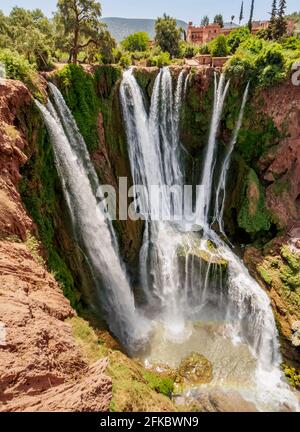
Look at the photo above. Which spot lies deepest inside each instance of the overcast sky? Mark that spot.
(182, 9)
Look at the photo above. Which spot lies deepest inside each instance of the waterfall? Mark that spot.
(93, 233)
(182, 272)
(220, 92)
(154, 157)
(221, 188)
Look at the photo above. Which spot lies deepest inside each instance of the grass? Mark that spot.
(34, 246)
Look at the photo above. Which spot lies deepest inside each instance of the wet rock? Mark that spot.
(194, 370)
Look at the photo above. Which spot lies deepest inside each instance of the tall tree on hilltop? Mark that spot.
(280, 27)
(273, 18)
(241, 13)
(219, 20)
(232, 18)
(168, 35)
(205, 21)
(251, 16)
(81, 21)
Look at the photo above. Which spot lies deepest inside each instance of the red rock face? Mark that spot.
(13, 218)
(282, 104)
(41, 367)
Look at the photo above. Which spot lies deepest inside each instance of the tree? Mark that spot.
(272, 23)
(103, 52)
(218, 19)
(136, 42)
(232, 18)
(241, 13)
(236, 37)
(280, 25)
(31, 34)
(251, 16)
(218, 47)
(81, 20)
(168, 35)
(205, 21)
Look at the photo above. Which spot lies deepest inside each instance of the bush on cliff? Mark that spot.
(264, 63)
(18, 68)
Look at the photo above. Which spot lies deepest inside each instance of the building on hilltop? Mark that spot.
(205, 34)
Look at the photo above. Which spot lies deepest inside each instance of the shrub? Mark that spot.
(218, 47)
(159, 60)
(136, 42)
(291, 43)
(188, 50)
(117, 54)
(125, 60)
(204, 49)
(236, 37)
(265, 63)
(18, 68)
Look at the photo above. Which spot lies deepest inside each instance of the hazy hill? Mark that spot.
(122, 27)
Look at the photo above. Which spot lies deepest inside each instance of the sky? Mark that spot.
(187, 10)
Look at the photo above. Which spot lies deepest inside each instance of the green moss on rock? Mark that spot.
(78, 89)
(253, 216)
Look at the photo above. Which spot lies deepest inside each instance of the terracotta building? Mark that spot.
(204, 34)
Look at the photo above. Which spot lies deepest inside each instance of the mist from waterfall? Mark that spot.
(94, 234)
(191, 276)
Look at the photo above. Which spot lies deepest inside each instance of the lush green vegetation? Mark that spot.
(219, 47)
(79, 92)
(136, 42)
(18, 67)
(264, 63)
(253, 216)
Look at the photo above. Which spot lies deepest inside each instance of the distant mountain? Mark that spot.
(120, 28)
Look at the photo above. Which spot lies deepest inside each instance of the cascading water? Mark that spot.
(193, 277)
(154, 157)
(220, 93)
(221, 188)
(93, 232)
